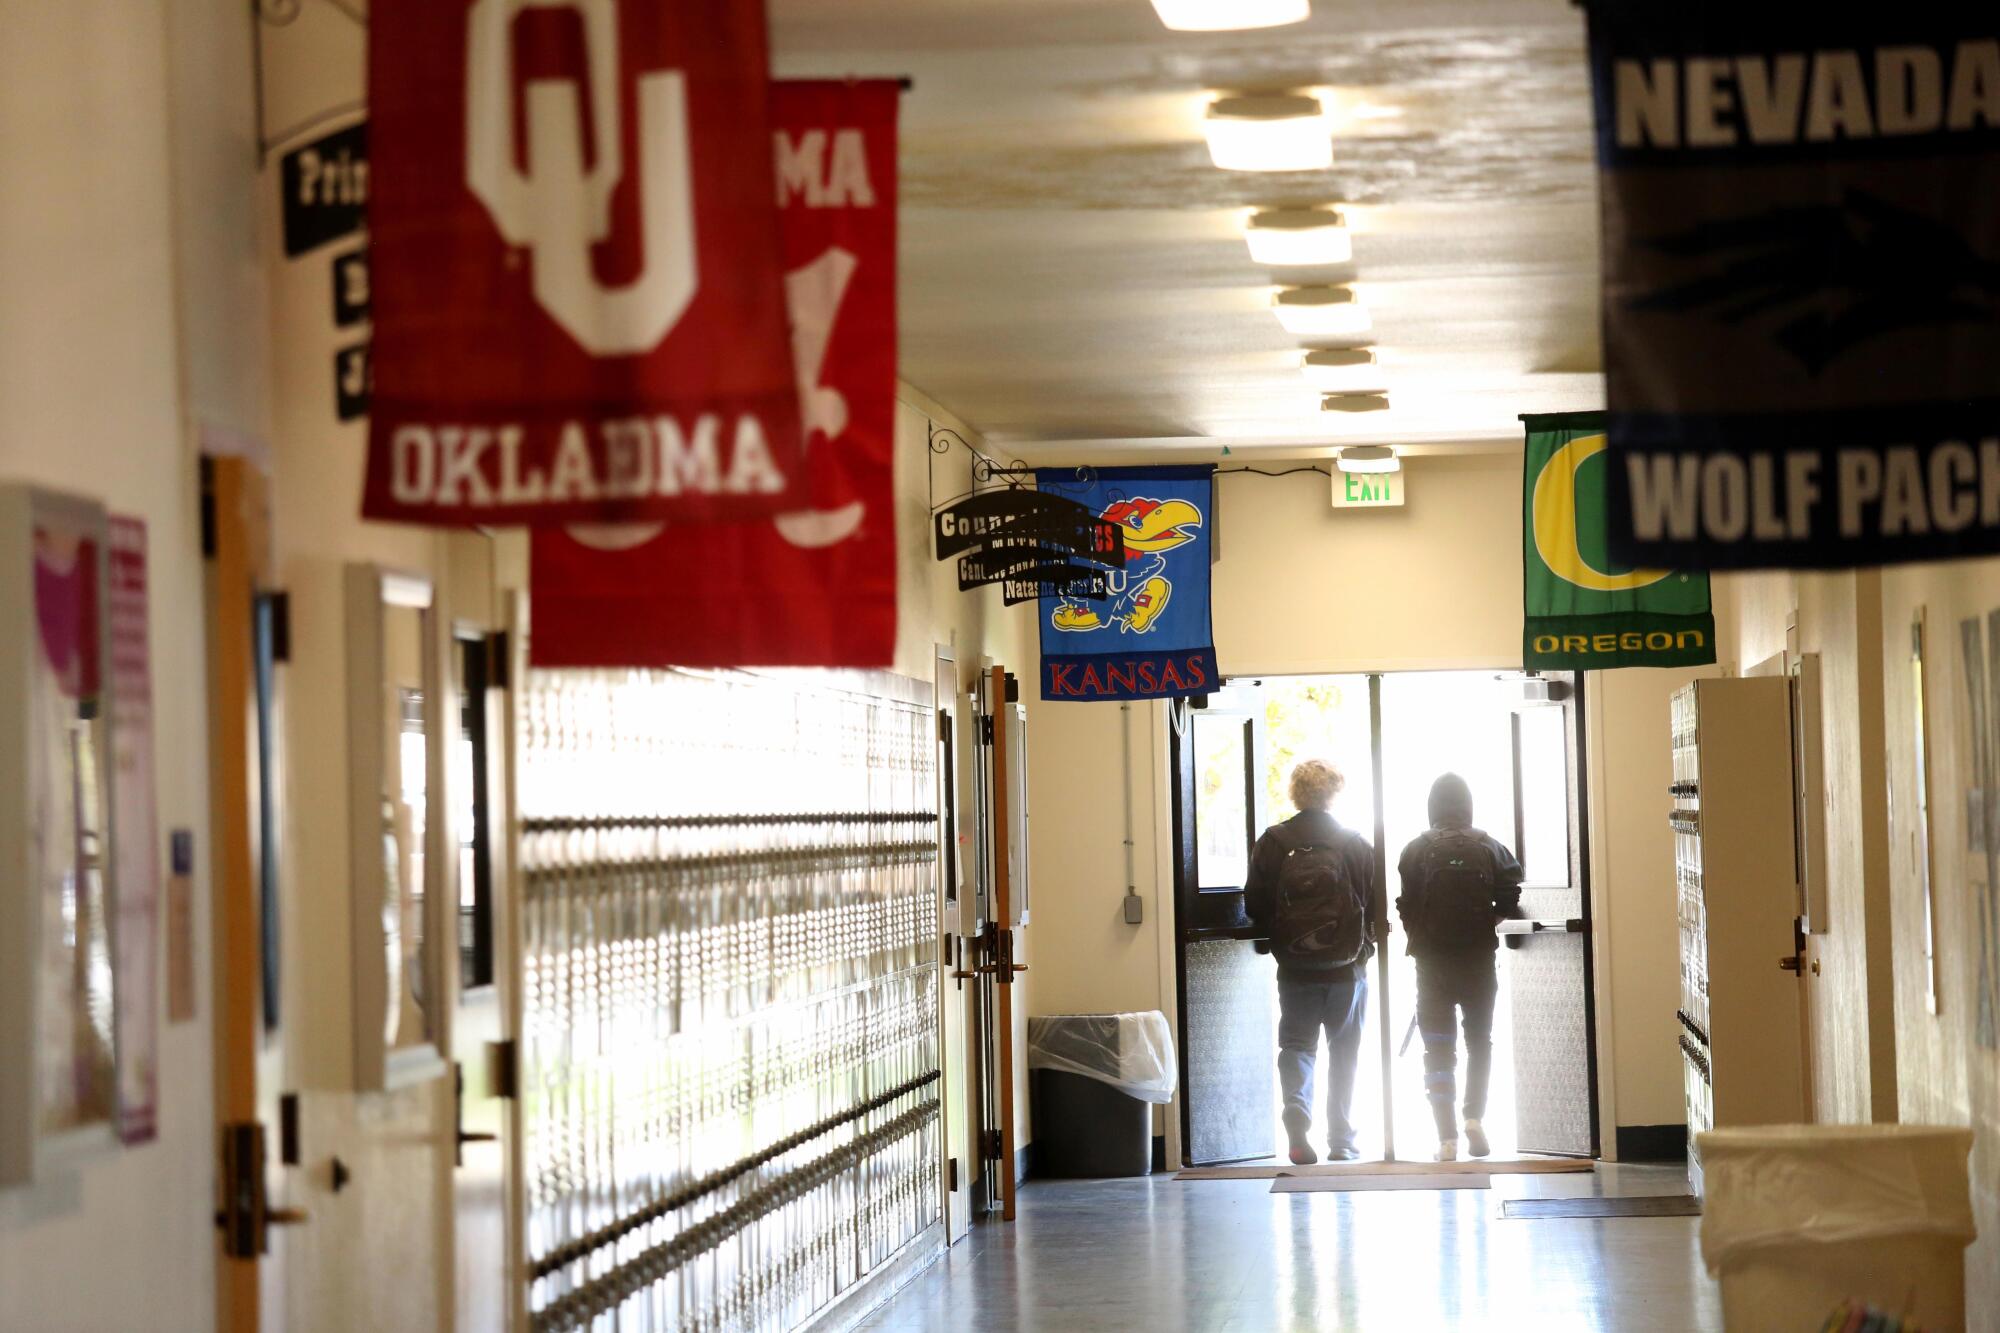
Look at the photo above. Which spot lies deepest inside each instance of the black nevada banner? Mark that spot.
(1801, 281)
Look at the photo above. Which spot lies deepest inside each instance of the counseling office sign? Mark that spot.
(1584, 610)
(1801, 281)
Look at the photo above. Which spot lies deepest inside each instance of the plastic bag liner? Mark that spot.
(1783, 1187)
(1134, 1053)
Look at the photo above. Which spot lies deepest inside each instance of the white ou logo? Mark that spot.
(557, 208)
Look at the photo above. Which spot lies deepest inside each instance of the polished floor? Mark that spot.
(1162, 1255)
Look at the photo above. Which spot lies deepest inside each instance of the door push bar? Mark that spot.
(1573, 926)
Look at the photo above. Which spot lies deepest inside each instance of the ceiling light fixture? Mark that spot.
(1226, 15)
(1277, 132)
(1322, 312)
(1369, 458)
(1345, 370)
(1299, 237)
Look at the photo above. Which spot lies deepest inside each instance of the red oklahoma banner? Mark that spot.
(579, 313)
(816, 587)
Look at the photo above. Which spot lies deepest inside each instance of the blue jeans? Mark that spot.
(1304, 1007)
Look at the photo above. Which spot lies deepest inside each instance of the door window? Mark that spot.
(1222, 812)
(1542, 755)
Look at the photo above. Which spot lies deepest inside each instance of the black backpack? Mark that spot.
(1459, 880)
(1322, 916)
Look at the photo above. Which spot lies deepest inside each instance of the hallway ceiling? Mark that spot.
(1075, 283)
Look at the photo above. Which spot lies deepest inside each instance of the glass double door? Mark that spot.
(1515, 740)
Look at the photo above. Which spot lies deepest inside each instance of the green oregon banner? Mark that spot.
(1584, 611)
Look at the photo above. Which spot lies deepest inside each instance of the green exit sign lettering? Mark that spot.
(1368, 490)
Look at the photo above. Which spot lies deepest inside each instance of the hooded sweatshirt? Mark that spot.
(1451, 811)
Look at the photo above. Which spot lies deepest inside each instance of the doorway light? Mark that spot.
(1345, 370)
(1322, 312)
(1299, 237)
(1271, 132)
(1227, 15)
(1369, 458)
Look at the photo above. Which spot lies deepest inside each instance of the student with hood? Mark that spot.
(1458, 885)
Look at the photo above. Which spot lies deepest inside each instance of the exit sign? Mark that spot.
(1367, 490)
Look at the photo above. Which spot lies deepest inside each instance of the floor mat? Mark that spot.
(1636, 1205)
(1485, 1166)
(1354, 1184)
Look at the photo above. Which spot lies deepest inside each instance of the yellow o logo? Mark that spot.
(1555, 523)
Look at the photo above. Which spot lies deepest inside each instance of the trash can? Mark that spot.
(1093, 1082)
(1799, 1220)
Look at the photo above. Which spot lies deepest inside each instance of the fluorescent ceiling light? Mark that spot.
(1322, 312)
(1299, 237)
(1282, 132)
(1369, 458)
(1224, 15)
(1346, 370)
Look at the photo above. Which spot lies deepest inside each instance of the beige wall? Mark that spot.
(90, 365)
(1303, 587)
(1637, 918)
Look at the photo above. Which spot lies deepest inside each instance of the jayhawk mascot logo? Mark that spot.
(1141, 590)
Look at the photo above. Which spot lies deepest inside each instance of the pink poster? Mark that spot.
(135, 848)
(67, 758)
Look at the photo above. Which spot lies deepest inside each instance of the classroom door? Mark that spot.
(255, 1130)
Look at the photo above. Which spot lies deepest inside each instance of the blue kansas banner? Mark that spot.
(1149, 635)
(1801, 298)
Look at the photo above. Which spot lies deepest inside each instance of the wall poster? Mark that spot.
(136, 939)
(1979, 710)
(71, 819)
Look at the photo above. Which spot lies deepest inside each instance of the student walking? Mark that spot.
(1312, 886)
(1458, 884)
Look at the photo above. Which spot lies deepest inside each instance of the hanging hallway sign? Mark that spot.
(815, 587)
(325, 189)
(1586, 612)
(1801, 281)
(579, 306)
(1032, 543)
(1149, 635)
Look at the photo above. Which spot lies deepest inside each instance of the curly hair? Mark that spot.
(1315, 783)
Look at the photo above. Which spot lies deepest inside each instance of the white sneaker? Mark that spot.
(1448, 1151)
(1475, 1139)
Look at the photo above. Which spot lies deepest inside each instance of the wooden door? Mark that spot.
(253, 1131)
